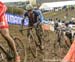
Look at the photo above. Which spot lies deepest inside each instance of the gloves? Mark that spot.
(35, 24)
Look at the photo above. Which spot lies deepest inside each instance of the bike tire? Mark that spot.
(32, 46)
(3, 57)
(20, 48)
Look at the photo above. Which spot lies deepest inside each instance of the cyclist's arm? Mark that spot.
(22, 22)
(41, 17)
(38, 21)
(37, 14)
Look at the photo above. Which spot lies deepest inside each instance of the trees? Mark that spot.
(15, 10)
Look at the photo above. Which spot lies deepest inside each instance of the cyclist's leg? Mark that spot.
(40, 25)
(39, 39)
(36, 30)
(5, 34)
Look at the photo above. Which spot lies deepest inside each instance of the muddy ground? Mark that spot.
(52, 51)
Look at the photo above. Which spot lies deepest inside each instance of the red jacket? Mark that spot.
(3, 9)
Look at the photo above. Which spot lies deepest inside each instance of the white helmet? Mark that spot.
(29, 7)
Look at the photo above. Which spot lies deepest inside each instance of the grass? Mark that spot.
(60, 14)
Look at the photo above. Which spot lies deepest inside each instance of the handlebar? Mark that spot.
(27, 28)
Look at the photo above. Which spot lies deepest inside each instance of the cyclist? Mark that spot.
(33, 17)
(4, 29)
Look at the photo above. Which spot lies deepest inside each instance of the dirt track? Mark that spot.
(50, 53)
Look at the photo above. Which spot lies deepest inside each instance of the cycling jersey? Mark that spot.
(3, 21)
(41, 17)
(32, 17)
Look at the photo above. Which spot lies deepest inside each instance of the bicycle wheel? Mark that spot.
(20, 48)
(32, 46)
(3, 57)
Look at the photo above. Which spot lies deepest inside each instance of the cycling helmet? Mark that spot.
(29, 7)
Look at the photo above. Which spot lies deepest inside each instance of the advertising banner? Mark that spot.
(15, 19)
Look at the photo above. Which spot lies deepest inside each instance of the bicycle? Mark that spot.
(64, 38)
(7, 55)
(33, 44)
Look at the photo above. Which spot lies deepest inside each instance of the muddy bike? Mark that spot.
(64, 38)
(34, 45)
(6, 53)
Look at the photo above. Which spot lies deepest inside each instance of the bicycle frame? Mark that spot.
(38, 44)
(37, 34)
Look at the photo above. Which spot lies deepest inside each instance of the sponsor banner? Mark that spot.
(15, 19)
